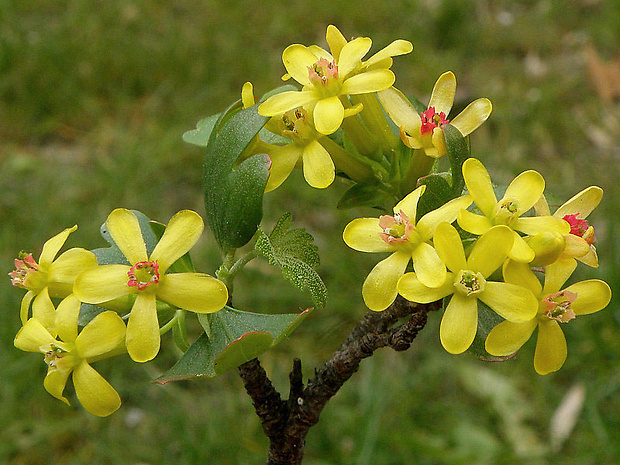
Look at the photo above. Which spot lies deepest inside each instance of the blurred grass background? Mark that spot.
(94, 98)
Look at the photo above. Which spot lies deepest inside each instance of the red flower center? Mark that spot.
(143, 274)
(431, 120)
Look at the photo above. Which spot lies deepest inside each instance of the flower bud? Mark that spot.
(547, 246)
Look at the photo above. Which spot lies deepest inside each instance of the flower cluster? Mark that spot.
(133, 290)
(509, 241)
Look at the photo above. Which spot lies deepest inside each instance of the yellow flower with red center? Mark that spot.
(147, 278)
(424, 130)
(327, 79)
(556, 306)
(50, 276)
(68, 353)
(407, 240)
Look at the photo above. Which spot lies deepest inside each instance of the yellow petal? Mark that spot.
(444, 90)
(352, 54)
(398, 47)
(142, 337)
(102, 283)
(283, 160)
(379, 288)
(318, 167)
(101, 335)
(510, 301)
(582, 203)
(551, 348)
(124, 228)
(556, 274)
(69, 264)
(32, 336)
(527, 188)
(55, 382)
(472, 116)
(479, 185)
(575, 246)
(531, 225)
(520, 251)
(439, 148)
(409, 204)
(429, 268)
(592, 295)
(95, 394)
(591, 258)
(297, 58)
(410, 287)
(182, 232)
(285, 101)
(490, 250)
(399, 109)
(473, 223)
(521, 274)
(247, 95)
(66, 318)
(328, 115)
(448, 212)
(369, 81)
(44, 311)
(449, 247)
(459, 324)
(363, 234)
(195, 292)
(335, 40)
(53, 246)
(507, 337)
(25, 306)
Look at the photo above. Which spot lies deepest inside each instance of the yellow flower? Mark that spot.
(467, 282)
(147, 278)
(580, 242)
(521, 195)
(407, 240)
(555, 306)
(51, 276)
(327, 79)
(423, 130)
(71, 354)
(318, 167)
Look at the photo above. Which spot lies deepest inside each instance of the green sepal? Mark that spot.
(294, 253)
(438, 192)
(236, 337)
(200, 136)
(234, 195)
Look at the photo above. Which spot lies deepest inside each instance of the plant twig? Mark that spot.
(286, 423)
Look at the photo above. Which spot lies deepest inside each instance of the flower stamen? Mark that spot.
(557, 306)
(395, 227)
(431, 120)
(25, 265)
(580, 227)
(469, 282)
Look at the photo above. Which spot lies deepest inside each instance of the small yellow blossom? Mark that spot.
(467, 282)
(50, 276)
(147, 278)
(423, 130)
(407, 240)
(327, 79)
(555, 306)
(521, 195)
(69, 353)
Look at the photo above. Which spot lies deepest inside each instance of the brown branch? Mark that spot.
(286, 423)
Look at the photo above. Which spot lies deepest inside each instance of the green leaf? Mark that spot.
(234, 195)
(438, 192)
(200, 136)
(364, 195)
(487, 320)
(236, 337)
(292, 250)
(458, 152)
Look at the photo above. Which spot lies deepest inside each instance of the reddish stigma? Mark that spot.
(431, 120)
(580, 227)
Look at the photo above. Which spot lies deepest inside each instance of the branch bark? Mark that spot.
(286, 422)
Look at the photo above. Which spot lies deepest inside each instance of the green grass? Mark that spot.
(94, 98)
